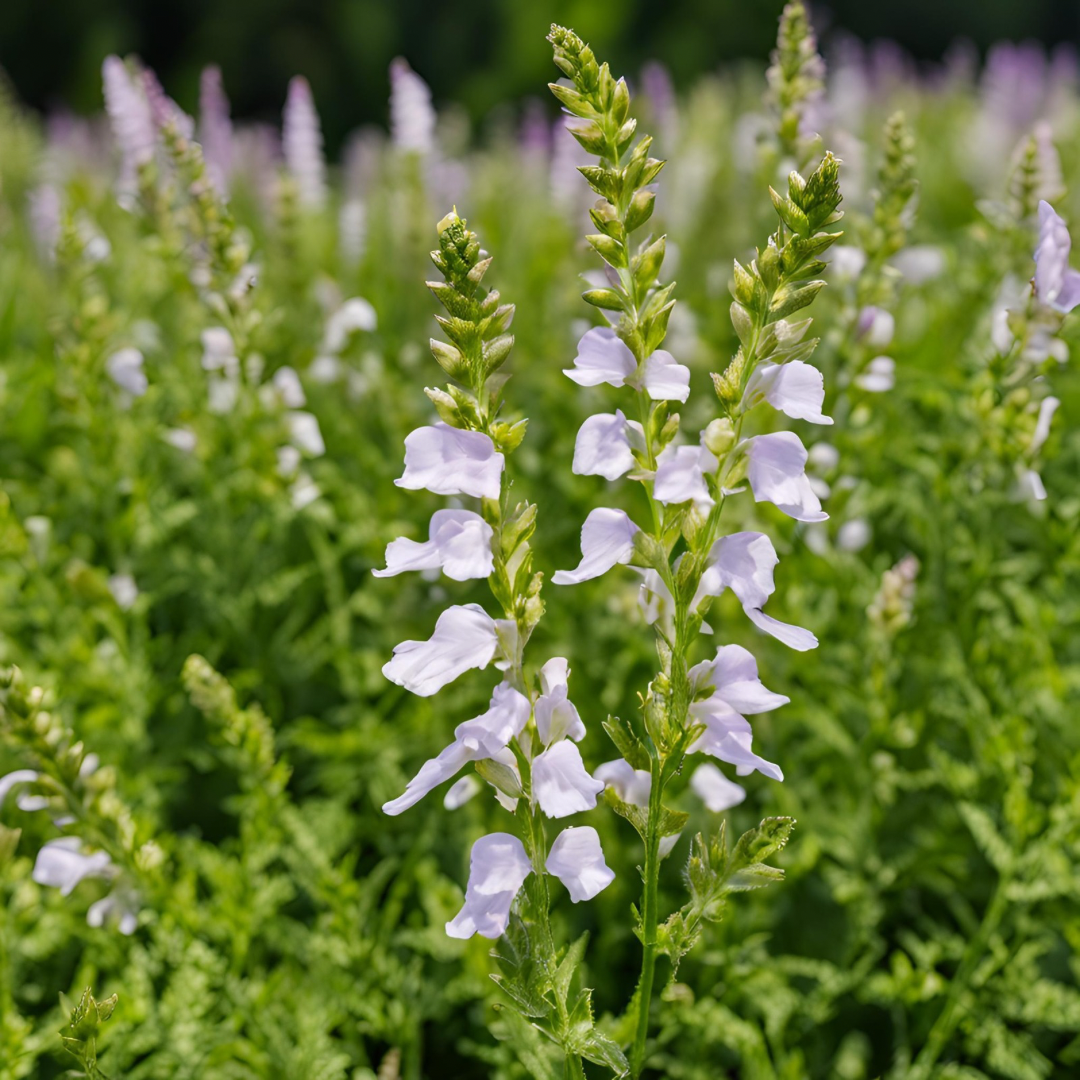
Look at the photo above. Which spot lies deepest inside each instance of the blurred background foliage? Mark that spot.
(480, 54)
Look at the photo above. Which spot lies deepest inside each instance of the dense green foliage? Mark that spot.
(929, 920)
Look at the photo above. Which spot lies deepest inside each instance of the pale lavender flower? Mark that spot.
(125, 368)
(45, 208)
(714, 789)
(603, 357)
(163, 110)
(302, 143)
(776, 465)
(1056, 283)
(449, 461)
(607, 539)
(131, 120)
(879, 376)
(577, 860)
(603, 446)
(62, 864)
(797, 389)
(498, 867)
(412, 116)
(459, 544)
(215, 129)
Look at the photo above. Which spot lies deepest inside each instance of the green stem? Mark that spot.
(949, 1016)
(649, 918)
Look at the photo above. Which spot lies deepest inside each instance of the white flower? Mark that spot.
(222, 395)
(607, 538)
(776, 467)
(465, 637)
(879, 376)
(1047, 407)
(1031, 485)
(630, 784)
(743, 562)
(412, 117)
(556, 715)
(461, 791)
(854, 535)
(603, 358)
(447, 461)
(732, 675)
(498, 867)
(302, 144)
(325, 369)
(287, 384)
(27, 803)
(219, 352)
(1056, 283)
(920, 263)
(680, 476)
(876, 326)
(560, 783)
(603, 447)
(62, 865)
(124, 591)
(125, 368)
(483, 737)
(847, 262)
(303, 492)
(795, 388)
(459, 543)
(714, 789)
(118, 905)
(183, 439)
(577, 860)
(728, 736)
(304, 433)
(355, 314)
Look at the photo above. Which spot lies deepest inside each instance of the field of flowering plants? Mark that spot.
(592, 595)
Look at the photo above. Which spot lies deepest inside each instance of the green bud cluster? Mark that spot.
(476, 324)
(80, 1034)
(796, 76)
(1036, 175)
(886, 232)
(604, 127)
(781, 280)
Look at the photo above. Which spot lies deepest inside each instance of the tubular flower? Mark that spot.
(465, 637)
(743, 562)
(484, 737)
(607, 539)
(1056, 283)
(449, 461)
(604, 358)
(459, 544)
(603, 446)
(776, 469)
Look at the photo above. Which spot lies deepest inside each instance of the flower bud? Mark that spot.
(719, 437)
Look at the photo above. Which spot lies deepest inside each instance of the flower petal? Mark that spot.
(607, 538)
(447, 461)
(556, 716)
(665, 379)
(728, 736)
(432, 773)
(776, 470)
(602, 447)
(560, 783)
(794, 637)
(498, 868)
(734, 676)
(680, 476)
(630, 784)
(795, 388)
(714, 789)
(459, 543)
(465, 637)
(491, 733)
(577, 860)
(62, 865)
(742, 562)
(602, 358)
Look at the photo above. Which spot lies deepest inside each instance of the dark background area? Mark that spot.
(476, 52)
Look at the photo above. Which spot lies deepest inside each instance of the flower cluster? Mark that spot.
(684, 558)
(525, 744)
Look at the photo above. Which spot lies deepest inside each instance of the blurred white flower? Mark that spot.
(124, 591)
(125, 368)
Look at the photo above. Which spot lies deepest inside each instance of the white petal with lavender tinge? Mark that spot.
(776, 470)
(62, 865)
(560, 783)
(601, 358)
(795, 388)
(728, 736)
(1056, 283)
(577, 860)
(465, 637)
(607, 539)
(714, 789)
(602, 447)
(556, 715)
(498, 867)
(447, 461)
(459, 543)
(733, 675)
(630, 784)
(665, 379)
